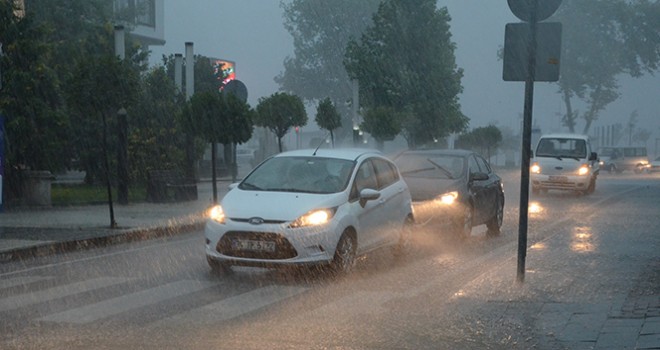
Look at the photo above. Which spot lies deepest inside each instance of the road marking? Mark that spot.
(49, 294)
(235, 306)
(115, 306)
(19, 281)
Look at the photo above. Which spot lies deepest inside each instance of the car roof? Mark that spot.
(447, 152)
(341, 153)
(566, 136)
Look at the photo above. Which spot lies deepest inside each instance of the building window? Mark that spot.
(140, 12)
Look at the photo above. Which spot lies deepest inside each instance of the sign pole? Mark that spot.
(526, 146)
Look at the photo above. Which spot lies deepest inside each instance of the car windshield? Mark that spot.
(561, 148)
(300, 174)
(431, 166)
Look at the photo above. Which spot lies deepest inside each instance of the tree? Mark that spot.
(481, 140)
(626, 30)
(156, 139)
(327, 117)
(36, 126)
(383, 123)
(405, 61)
(279, 112)
(320, 30)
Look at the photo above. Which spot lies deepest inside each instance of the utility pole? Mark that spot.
(122, 129)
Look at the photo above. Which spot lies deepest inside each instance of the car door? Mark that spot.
(392, 198)
(368, 213)
(478, 190)
(491, 188)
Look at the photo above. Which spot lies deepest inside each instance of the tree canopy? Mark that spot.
(603, 40)
(279, 112)
(321, 30)
(405, 61)
(327, 117)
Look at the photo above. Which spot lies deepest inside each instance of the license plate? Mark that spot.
(256, 246)
(558, 178)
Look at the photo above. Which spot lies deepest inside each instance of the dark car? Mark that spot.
(453, 189)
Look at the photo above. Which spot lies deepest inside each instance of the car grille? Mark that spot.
(283, 249)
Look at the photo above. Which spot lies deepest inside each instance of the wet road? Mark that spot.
(160, 293)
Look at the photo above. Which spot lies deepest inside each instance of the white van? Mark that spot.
(564, 162)
(619, 159)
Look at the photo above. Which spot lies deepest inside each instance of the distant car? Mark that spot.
(564, 162)
(310, 207)
(654, 166)
(622, 158)
(455, 189)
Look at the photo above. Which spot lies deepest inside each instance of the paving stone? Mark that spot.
(649, 341)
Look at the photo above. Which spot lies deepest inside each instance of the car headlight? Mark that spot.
(535, 168)
(584, 170)
(448, 198)
(314, 218)
(217, 214)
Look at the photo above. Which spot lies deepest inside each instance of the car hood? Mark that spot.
(422, 189)
(277, 206)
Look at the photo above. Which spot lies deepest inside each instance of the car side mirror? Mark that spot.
(593, 156)
(233, 185)
(368, 194)
(478, 176)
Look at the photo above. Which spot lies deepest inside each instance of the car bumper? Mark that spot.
(434, 213)
(270, 245)
(560, 182)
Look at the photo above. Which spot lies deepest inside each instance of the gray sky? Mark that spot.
(251, 33)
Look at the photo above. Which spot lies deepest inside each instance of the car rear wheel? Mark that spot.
(495, 223)
(344, 258)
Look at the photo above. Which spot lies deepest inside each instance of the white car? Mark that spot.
(564, 162)
(305, 207)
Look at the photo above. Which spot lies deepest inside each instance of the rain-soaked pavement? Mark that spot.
(592, 281)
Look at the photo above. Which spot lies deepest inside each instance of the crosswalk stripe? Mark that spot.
(18, 301)
(235, 306)
(115, 306)
(19, 281)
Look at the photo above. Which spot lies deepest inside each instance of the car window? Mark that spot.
(483, 165)
(432, 166)
(473, 165)
(562, 147)
(300, 174)
(364, 178)
(386, 173)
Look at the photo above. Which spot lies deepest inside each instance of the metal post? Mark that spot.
(122, 129)
(178, 71)
(190, 90)
(122, 157)
(526, 146)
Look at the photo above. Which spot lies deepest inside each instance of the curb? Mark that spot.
(123, 236)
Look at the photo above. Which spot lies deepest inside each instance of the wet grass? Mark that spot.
(81, 194)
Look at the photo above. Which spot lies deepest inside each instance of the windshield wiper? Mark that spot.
(249, 186)
(445, 171)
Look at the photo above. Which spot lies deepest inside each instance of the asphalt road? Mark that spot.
(160, 294)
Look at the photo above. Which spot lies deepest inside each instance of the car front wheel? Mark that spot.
(463, 223)
(344, 258)
(404, 244)
(495, 223)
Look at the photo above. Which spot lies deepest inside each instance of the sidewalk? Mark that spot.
(42, 231)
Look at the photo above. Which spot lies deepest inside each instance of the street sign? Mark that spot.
(548, 51)
(237, 88)
(523, 9)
